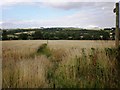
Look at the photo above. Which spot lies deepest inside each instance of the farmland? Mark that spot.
(60, 64)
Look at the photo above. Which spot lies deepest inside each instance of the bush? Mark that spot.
(43, 49)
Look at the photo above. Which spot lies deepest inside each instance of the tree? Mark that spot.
(23, 36)
(38, 35)
(4, 35)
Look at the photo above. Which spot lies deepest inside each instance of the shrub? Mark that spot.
(44, 49)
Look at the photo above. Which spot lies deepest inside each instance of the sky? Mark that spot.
(51, 13)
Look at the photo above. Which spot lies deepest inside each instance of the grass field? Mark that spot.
(60, 64)
(58, 43)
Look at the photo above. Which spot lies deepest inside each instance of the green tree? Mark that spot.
(38, 35)
(23, 36)
(4, 35)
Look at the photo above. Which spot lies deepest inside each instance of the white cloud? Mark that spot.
(9, 2)
(82, 18)
(55, 2)
(0, 24)
(67, 5)
(92, 26)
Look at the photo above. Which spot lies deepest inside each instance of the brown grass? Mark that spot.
(68, 66)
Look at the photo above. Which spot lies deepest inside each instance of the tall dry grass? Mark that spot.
(22, 70)
(93, 70)
(49, 66)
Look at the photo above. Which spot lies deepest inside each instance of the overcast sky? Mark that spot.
(34, 13)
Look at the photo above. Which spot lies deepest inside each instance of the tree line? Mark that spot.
(57, 34)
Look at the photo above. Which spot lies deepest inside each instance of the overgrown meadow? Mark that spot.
(43, 66)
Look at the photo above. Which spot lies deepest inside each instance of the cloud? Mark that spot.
(58, 4)
(79, 19)
(77, 5)
(87, 14)
(0, 24)
(12, 2)
(64, 5)
(52, 2)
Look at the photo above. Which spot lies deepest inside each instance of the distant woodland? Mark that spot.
(58, 34)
